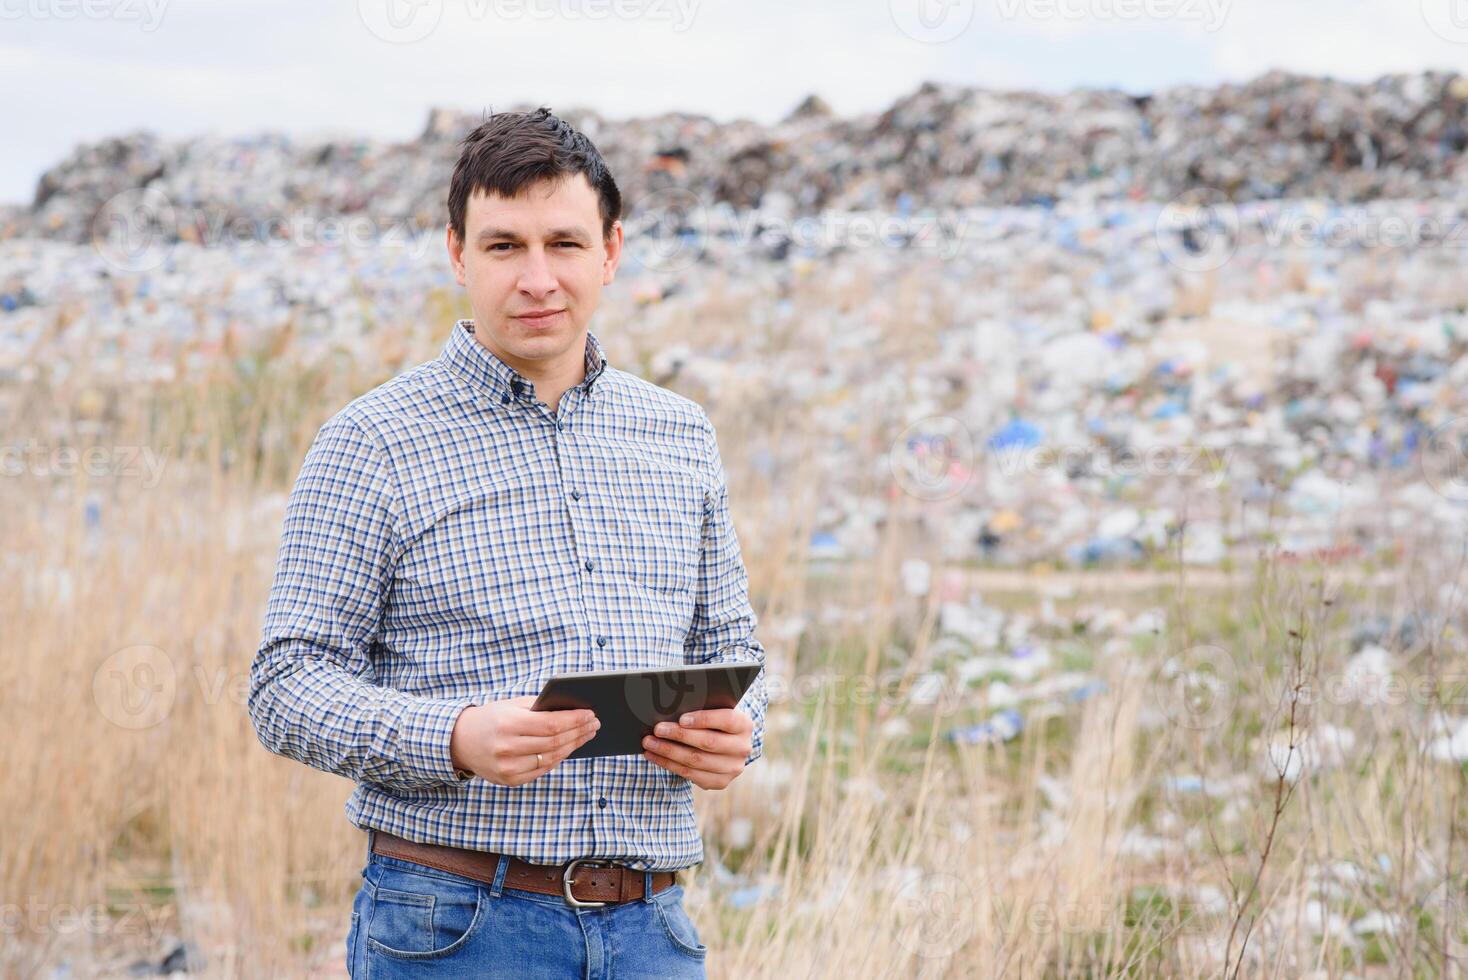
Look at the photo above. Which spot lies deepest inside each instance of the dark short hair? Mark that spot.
(510, 151)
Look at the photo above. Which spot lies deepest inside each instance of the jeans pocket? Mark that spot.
(678, 925)
(415, 917)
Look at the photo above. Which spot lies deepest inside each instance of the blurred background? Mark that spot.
(1090, 379)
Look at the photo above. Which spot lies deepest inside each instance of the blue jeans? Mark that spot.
(410, 920)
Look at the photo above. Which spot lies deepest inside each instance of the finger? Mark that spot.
(707, 739)
(546, 744)
(719, 719)
(548, 722)
(694, 758)
(683, 769)
(550, 757)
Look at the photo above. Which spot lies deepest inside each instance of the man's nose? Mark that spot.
(536, 276)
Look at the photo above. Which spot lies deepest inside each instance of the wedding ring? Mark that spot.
(538, 763)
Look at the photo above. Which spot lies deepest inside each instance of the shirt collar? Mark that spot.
(477, 364)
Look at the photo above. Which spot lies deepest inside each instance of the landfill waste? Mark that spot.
(1002, 727)
(1034, 366)
(1082, 397)
(943, 146)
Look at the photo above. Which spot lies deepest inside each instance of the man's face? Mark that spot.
(541, 250)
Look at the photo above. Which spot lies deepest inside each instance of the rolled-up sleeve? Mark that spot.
(723, 620)
(309, 698)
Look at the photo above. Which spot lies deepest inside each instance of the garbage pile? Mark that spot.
(941, 147)
(1089, 381)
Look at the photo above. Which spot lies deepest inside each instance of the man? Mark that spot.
(514, 509)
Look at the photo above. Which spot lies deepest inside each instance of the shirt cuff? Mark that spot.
(424, 752)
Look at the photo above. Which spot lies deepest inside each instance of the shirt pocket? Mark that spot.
(654, 514)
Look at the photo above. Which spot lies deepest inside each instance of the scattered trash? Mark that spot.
(1002, 727)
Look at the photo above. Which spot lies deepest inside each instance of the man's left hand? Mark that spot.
(709, 747)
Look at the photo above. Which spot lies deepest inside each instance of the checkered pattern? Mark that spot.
(449, 541)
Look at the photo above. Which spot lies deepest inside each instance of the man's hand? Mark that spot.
(708, 747)
(498, 741)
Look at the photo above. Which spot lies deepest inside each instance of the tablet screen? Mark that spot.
(630, 702)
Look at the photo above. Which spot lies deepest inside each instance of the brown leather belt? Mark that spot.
(584, 882)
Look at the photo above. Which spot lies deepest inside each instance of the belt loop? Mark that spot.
(647, 886)
(499, 875)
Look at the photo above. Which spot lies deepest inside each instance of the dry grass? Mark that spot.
(139, 807)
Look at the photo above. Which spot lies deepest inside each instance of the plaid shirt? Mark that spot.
(449, 541)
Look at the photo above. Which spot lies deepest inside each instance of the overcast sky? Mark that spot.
(79, 70)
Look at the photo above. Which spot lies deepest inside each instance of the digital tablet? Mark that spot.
(630, 702)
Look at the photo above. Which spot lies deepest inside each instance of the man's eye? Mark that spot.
(498, 245)
(572, 244)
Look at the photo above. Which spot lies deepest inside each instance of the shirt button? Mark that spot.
(589, 565)
(601, 641)
(575, 494)
(602, 802)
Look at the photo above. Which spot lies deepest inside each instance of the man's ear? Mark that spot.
(456, 253)
(613, 246)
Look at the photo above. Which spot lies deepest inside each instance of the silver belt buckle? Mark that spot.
(567, 881)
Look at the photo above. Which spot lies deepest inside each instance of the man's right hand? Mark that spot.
(498, 741)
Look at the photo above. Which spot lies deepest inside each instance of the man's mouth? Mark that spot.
(540, 317)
